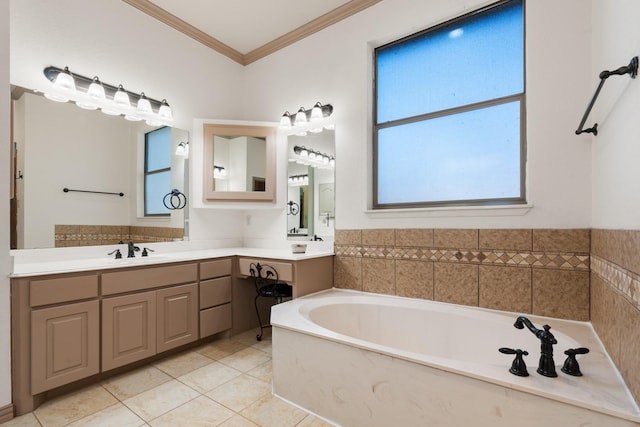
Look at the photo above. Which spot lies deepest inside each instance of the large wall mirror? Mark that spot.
(57, 146)
(239, 163)
(310, 186)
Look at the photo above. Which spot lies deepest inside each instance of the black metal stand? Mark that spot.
(267, 286)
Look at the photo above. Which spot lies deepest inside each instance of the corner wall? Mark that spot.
(6, 409)
(615, 299)
(615, 248)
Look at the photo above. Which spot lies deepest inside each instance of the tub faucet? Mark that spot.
(131, 253)
(546, 366)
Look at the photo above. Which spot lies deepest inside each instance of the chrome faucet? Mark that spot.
(131, 253)
(546, 366)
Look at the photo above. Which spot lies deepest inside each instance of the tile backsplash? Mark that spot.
(93, 235)
(539, 271)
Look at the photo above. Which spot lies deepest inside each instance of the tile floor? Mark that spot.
(226, 383)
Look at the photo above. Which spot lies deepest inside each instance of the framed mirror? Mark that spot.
(239, 163)
(310, 186)
(58, 146)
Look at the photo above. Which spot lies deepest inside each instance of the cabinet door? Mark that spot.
(177, 316)
(64, 344)
(128, 329)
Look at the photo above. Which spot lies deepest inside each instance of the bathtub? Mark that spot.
(361, 359)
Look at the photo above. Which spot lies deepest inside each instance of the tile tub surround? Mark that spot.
(93, 235)
(532, 271)
(615, 299)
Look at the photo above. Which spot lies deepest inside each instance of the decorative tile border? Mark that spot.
(79, 235)
(619, 278)
(569, 261)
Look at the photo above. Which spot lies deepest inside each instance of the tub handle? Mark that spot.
(571, 366)
(518, 367)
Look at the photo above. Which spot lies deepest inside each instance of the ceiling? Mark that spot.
(247, 30)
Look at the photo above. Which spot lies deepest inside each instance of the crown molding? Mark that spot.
(185, 28)
(311, 27)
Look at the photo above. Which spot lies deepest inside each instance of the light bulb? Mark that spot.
(316, 113)
(121, 99)
(143, 108)
(285, 121)
(164, 113)
(65, 81)
(301, 117)
(96, 90)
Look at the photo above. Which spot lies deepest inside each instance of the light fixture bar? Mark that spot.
(82, 84)
(305, 117)
(309, 157)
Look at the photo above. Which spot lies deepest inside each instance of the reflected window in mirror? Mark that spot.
(239, 162)
(310, 183)
(157, 171)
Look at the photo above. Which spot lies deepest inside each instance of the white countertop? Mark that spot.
(84, 259)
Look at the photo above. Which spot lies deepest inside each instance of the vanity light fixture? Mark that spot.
(183, 149)
(92, 94)
(298, 180)
(313, 158)
(308, 119)
(219, 172)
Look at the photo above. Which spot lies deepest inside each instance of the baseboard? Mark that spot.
(6, 413)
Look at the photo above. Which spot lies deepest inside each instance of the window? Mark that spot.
(157, 171)
(449, 124)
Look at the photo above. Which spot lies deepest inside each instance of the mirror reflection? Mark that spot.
(58, 146)
(310, 186)
(239, 162)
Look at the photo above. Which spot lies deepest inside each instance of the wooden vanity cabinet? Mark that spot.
(215, 297)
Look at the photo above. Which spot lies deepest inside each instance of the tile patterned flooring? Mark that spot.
(226, 383)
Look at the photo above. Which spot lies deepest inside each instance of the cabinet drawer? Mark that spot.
(148, 278)
(216, 268)
(284, 269)
(214, 320)
(53, 291)
(215, 292)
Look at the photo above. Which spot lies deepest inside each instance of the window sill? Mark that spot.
(452, 211)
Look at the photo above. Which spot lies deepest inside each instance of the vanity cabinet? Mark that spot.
(215, 297)
(138, 325)
(67, 327)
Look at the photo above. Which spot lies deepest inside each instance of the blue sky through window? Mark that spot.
(449, 151)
